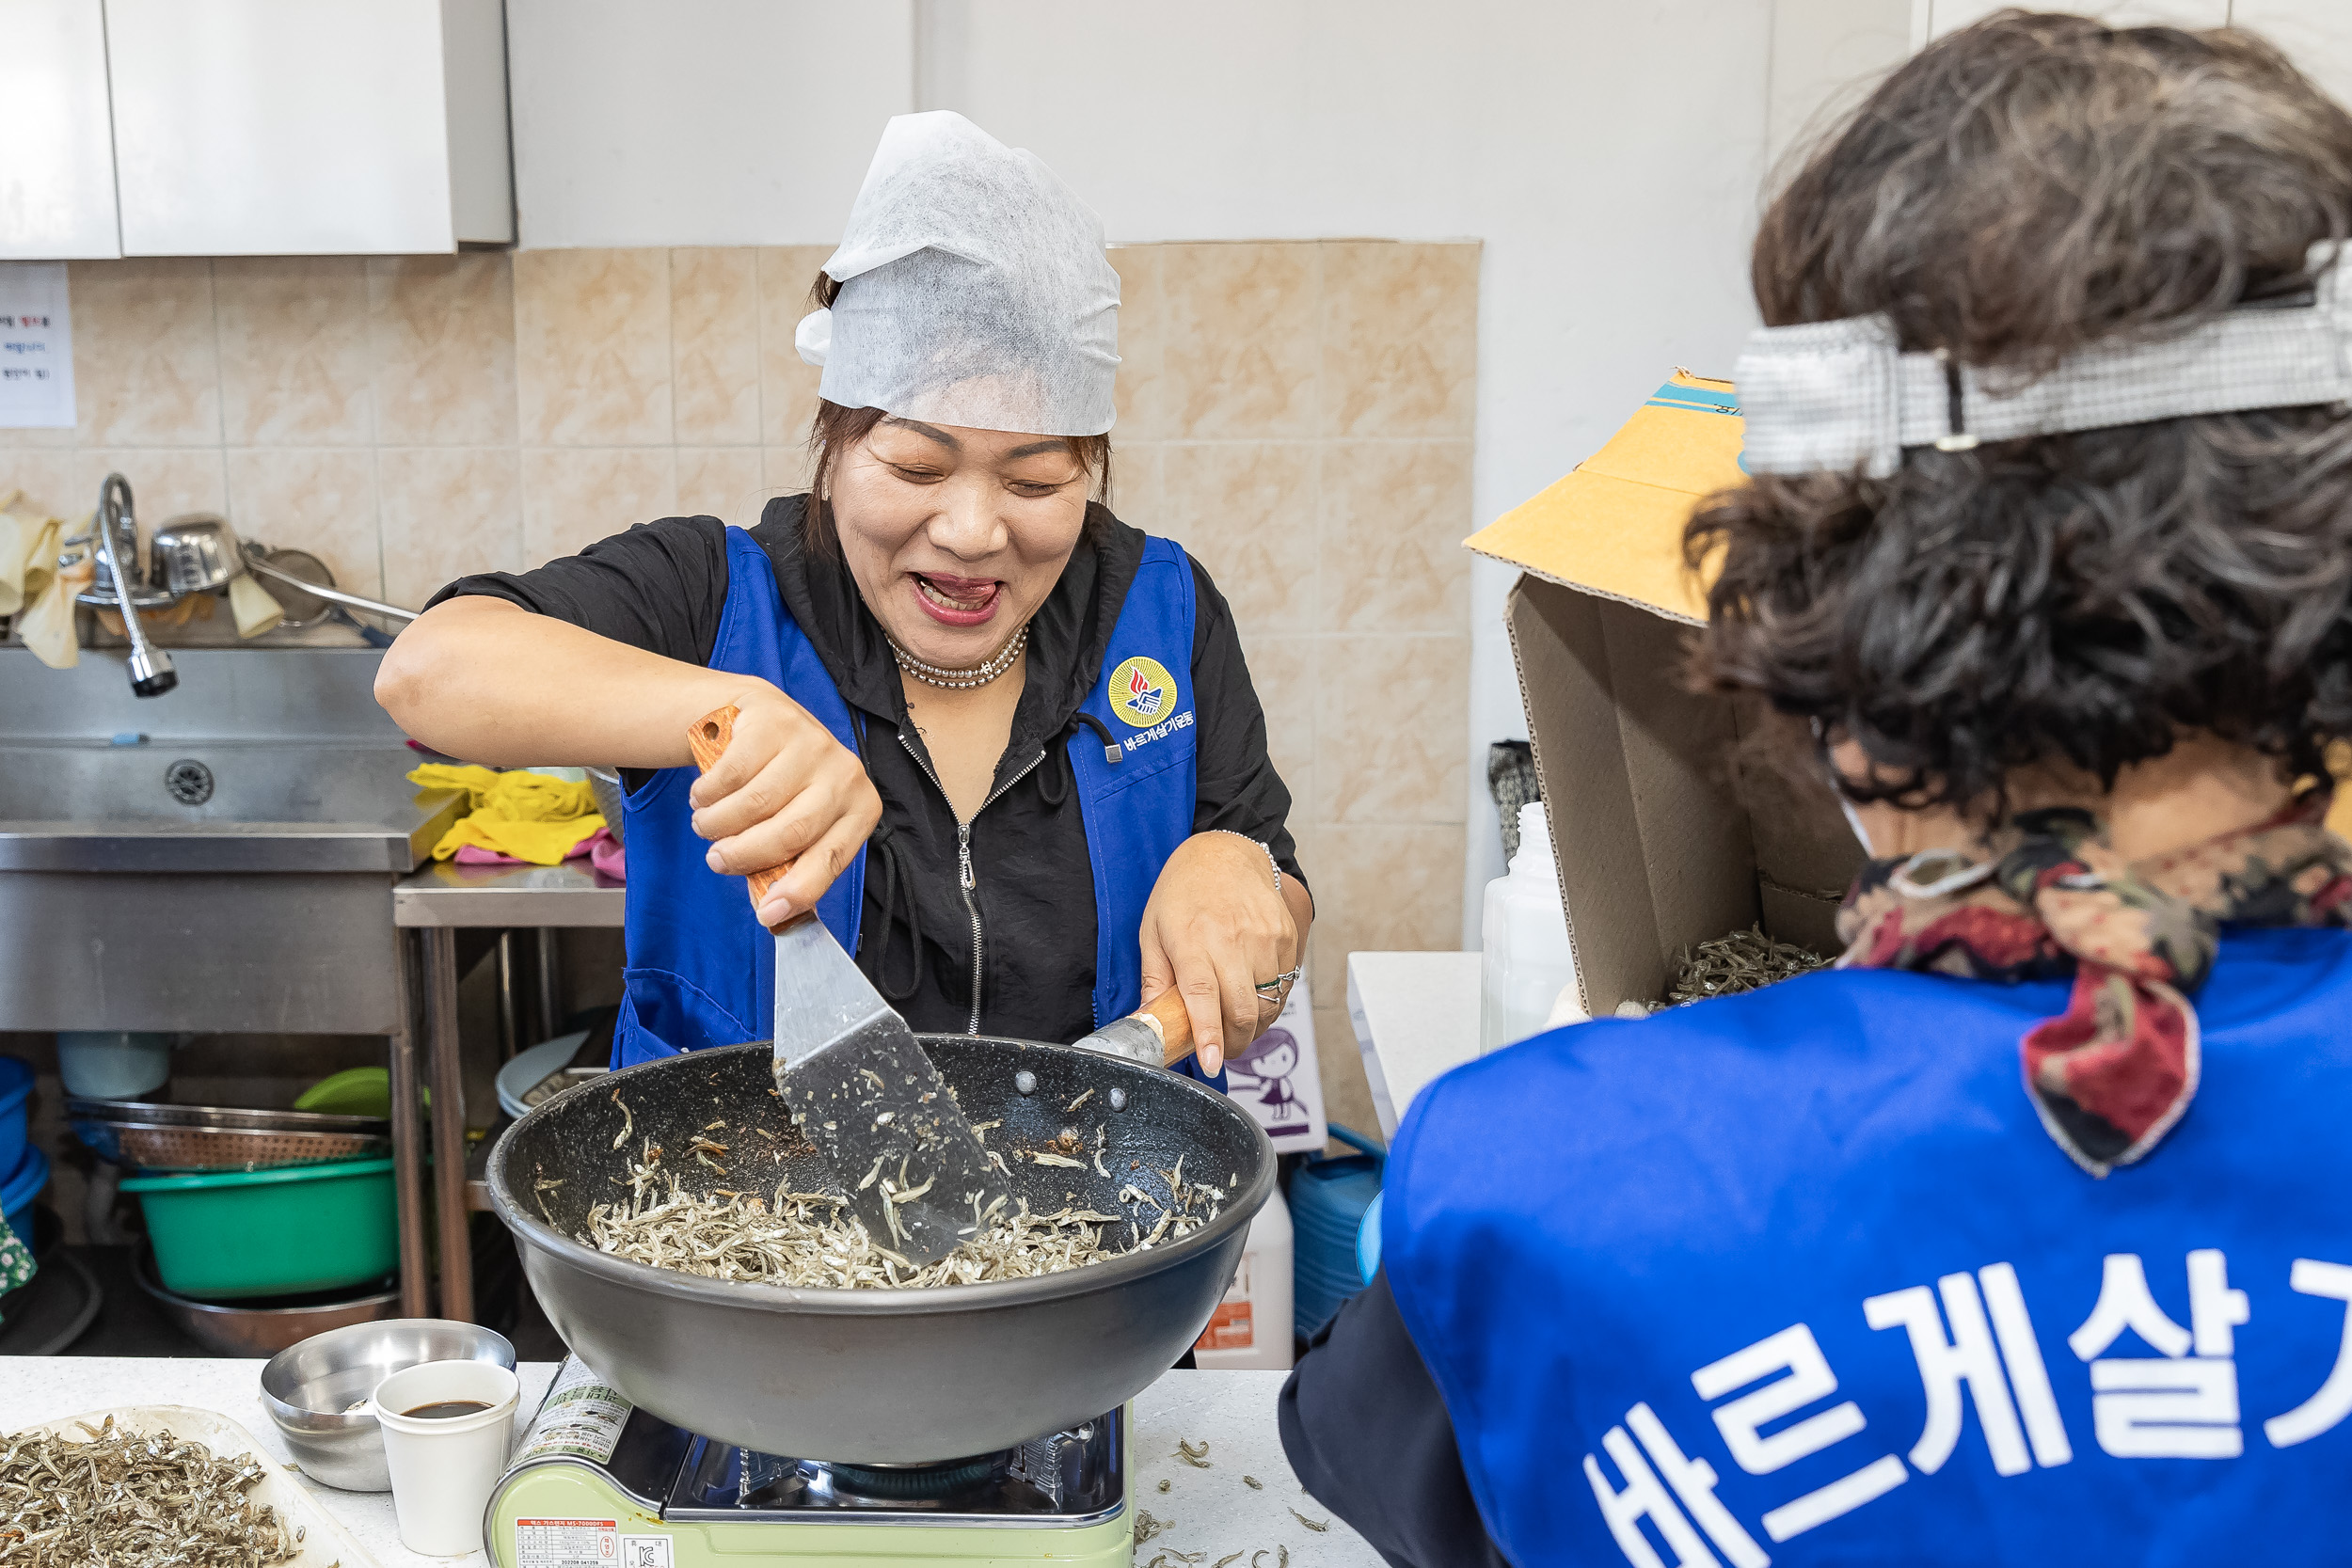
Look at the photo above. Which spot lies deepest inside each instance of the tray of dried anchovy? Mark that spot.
(158, 1483)
(691, 1246)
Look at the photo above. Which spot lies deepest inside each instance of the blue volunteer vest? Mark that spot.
(1797, 1277)
(701, 970)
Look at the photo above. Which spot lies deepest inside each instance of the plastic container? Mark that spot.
(1368, 1238)
(19, 1188)
(112, 1064)
(223, 1235)
(358, 1091)
(1328, 1199)
(16, 1093)
(443, 1469)
(531, 1068)
(1251, 1328)
(1524, 933)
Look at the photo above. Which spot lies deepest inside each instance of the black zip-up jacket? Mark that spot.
(661, 586)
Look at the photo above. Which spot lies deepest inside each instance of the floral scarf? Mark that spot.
(16, 1260)
(2047, 897)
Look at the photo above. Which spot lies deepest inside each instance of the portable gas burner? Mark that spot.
(596, 1483)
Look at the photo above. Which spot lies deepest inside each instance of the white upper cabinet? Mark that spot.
(57, 149)
(309, 127)
(693, 123)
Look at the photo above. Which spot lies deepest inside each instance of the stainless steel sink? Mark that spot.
(218, 858)
(217, 805)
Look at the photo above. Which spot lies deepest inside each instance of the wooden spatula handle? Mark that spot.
(708, 737)
(1175, 1024)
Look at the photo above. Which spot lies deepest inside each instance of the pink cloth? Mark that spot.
(604, 853)
(602, 849)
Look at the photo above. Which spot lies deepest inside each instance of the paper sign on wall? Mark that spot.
(1278, 1080)
(36, 347)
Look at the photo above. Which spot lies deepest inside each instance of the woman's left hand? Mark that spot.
(1214, 929)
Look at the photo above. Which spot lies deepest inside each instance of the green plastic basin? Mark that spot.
(220, 1235)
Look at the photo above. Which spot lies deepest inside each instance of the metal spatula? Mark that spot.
(861, 1087)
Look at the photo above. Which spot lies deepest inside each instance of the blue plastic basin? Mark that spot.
(1327, 1198)
(16, 1091)
(19, 1189)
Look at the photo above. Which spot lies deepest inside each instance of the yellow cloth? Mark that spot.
(18, 535)
(32, 589)
(255, 610)
(528, 815)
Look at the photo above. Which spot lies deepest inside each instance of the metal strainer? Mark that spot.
(146, 1136)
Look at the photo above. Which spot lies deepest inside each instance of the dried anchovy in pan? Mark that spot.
(1744, 961)
(808, 1240)
(127, 1499)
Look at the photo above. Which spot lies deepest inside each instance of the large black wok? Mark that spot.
(882, 1376)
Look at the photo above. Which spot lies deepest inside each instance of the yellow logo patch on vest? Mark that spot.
(1142, 692)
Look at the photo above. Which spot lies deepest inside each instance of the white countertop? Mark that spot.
(1209, 1510)
(1416, 1018)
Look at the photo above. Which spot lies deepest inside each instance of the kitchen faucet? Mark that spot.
(193, 554)
(152, 671)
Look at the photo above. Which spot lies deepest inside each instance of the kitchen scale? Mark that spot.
(597, 1483)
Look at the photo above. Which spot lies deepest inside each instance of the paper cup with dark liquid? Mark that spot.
(446, 1427)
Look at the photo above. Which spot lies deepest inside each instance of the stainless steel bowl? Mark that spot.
(317, 1391)
(250, 1328)
(194, 553)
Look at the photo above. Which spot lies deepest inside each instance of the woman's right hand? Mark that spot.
(784, 792)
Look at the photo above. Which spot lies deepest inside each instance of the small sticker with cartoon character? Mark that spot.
(1269, 1062)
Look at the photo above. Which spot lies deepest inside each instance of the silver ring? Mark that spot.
(1276, 985)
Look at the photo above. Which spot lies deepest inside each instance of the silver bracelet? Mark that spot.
(1267, 850)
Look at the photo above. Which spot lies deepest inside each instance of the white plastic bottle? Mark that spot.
(1252, 1330)
(1524, 933)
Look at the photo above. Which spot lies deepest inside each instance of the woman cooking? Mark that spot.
(1006, 743)
(2020, 1237)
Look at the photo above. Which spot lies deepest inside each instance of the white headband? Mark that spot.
(1841, 395)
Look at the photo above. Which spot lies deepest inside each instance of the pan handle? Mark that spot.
(1168, 1018)
(708, 737)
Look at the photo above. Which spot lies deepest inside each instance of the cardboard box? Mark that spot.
(1656, 849)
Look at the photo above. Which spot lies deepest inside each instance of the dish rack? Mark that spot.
(141, 1135)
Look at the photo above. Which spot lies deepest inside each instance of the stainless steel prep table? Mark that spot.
(429, 907)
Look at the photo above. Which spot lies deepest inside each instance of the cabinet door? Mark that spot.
(57, 166)
(279, 127)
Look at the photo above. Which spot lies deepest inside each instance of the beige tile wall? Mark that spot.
(1299, 416)
(1297, 413)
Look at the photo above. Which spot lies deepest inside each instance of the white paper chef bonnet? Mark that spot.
(974, 290)
(1843, 396)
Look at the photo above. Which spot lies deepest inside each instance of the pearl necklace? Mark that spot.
(960, 680)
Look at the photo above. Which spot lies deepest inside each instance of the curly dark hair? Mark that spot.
(2019, 190)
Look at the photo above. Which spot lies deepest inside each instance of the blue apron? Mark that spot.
(701, 970)
(1798, 1277)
